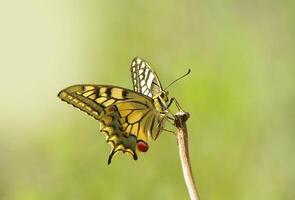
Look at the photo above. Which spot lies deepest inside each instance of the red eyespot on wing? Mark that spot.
(112, 108)
(142, 146)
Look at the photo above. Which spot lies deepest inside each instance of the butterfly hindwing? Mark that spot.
(126, 117)
(145, 80)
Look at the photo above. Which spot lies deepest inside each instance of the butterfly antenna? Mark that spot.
(187, 73)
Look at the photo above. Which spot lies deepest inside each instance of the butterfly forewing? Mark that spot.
(145, 80)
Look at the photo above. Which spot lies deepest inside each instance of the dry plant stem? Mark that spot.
(182, 138)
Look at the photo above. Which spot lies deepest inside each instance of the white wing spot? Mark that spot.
(142, 83)
(133, 64)
(147, 93)
(144, 88)
(150, 80)
(141, 77)
(142, 65)
(140, 71)
(138, 60)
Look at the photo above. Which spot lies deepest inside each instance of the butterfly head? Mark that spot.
(164, 95)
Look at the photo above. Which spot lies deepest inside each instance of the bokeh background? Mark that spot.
(240, 94)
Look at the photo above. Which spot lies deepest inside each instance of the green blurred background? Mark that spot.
(240, 95)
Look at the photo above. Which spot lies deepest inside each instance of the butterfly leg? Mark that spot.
(169, 119)
(168, 106)
(176, 103)
(169, 131)
(171, 101)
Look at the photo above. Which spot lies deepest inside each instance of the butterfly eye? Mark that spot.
(162, 95)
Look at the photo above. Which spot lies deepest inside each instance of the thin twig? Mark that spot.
(182, 138)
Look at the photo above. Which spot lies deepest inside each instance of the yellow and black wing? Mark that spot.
(127, 118)
(144, 79)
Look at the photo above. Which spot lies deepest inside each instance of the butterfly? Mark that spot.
(128, 118)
